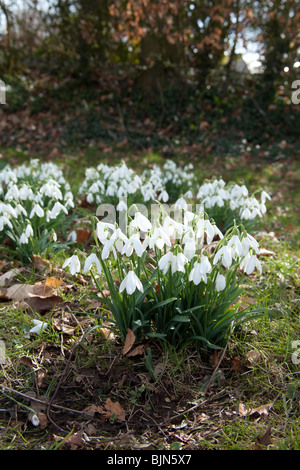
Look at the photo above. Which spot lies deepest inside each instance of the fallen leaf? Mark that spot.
(140, 349)
(42, 304)
(263, 441)
(253, 357)
(115, 409)
(129, 341)
(262, 410)
(265, 252)
(83, 235)
(53, 282)
(41, 264)
(7, 277)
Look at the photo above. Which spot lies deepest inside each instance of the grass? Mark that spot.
(163, 394)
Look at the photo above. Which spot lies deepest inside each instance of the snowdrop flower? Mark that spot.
(131, 282)
(133, 243)
(38, 210)
(172, 228)
(4, 221)
(178, 263)
(57, 208)
(103, 231)
(29, 231)
(90, 261)
(189, 242)
(220, 282)
(249, 263)
(200, 271)
(166, 261)
(122, 206)
(223, 254)
(90, 198)
(73, 263)
(248, 241)
(181, 204)
(39, 326)
(236, 245)
(164, 196)
(23, 239)
(142, 222)
(72, 236)
(159, 238)
(264, 196)
(116, 242)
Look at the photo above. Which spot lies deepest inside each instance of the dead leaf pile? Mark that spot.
(110, 410)
(40, 297)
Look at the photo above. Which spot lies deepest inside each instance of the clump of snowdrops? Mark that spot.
(35, 200)
(173, 184)
(122, 186)
(174, 277)
(226, 202)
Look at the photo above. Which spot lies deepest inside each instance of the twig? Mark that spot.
(37, 400)
(216, 369)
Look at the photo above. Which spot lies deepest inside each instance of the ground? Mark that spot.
(88, 394)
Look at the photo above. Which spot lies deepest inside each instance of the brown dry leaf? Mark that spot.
(265, 252)
(115, 409)
(83, 234)
(129, 341)
(243, 410)
(140, 349)
(43, 420)
(74, 442)
(263, 441)
(91, 410)
(42, 304)
(253, 357)
(7, 277)
(40, 297)
(262, 410)
(17, 292)
(53, 282)
(236, 364)
(41, 264)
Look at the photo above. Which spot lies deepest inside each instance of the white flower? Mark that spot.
(142, 222)
(166, 261)
(236, 245)
(178, 263)
(223, 254)
(189, 242)
(39, 326)
(122, 206)
(56, 209)
(164, 196)
(264, 196)
(116, 242)
(133, 243)
(72, 236)
(29, 231)
(90, 261)
(159, 238)
(73, 263)
(171, 227)
(103, 231)
(131, 282)
(181, 204)
(37, 209)
(200, 271)
(220, 282)
(249, 263)
(23, 239)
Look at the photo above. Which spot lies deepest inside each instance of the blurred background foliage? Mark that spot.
(111, 69)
